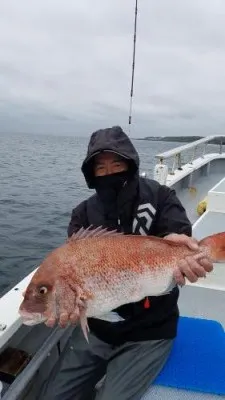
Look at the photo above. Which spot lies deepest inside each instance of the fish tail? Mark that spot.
(216, 246)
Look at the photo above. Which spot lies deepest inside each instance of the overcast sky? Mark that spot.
(65, 66)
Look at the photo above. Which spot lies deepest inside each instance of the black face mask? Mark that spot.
(111, 183)
(108, 187)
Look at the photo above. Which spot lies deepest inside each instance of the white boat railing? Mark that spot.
(177, 152)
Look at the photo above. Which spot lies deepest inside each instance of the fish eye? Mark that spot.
(43, 290)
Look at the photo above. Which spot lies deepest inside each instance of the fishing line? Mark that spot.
(133, 67)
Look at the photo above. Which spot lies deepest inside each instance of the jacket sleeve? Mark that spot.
(78, 219)
(171, 216)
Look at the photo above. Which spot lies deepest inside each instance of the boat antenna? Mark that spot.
(133, 66)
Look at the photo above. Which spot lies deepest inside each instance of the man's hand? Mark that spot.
(191, 267)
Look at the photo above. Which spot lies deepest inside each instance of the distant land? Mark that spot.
(182, 139)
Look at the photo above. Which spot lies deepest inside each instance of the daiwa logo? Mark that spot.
(143, 220)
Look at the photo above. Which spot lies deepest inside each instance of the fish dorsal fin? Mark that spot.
(89, 232)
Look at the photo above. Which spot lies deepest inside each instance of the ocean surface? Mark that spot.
(40, 183)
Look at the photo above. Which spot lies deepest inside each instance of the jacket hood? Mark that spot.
(110, 139)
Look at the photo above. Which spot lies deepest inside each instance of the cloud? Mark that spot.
(65, 67)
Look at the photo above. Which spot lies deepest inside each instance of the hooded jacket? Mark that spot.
(144, 207)
(110, 139)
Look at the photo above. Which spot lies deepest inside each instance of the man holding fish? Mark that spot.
(131, 324)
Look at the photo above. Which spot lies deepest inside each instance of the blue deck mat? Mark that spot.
(197, 361)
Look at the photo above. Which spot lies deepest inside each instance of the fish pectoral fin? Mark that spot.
(84, 324)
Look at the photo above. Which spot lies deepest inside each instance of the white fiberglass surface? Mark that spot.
(191, 199)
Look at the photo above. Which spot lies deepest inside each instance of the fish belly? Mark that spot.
(125, 287)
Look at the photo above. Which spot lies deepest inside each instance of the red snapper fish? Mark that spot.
(96, 270)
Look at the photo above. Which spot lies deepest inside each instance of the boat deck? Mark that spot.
(160, 393)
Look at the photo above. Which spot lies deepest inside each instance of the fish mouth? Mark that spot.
(31, 319)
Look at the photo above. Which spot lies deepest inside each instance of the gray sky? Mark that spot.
(65, 66)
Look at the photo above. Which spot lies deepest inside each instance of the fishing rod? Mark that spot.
(133, 66)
